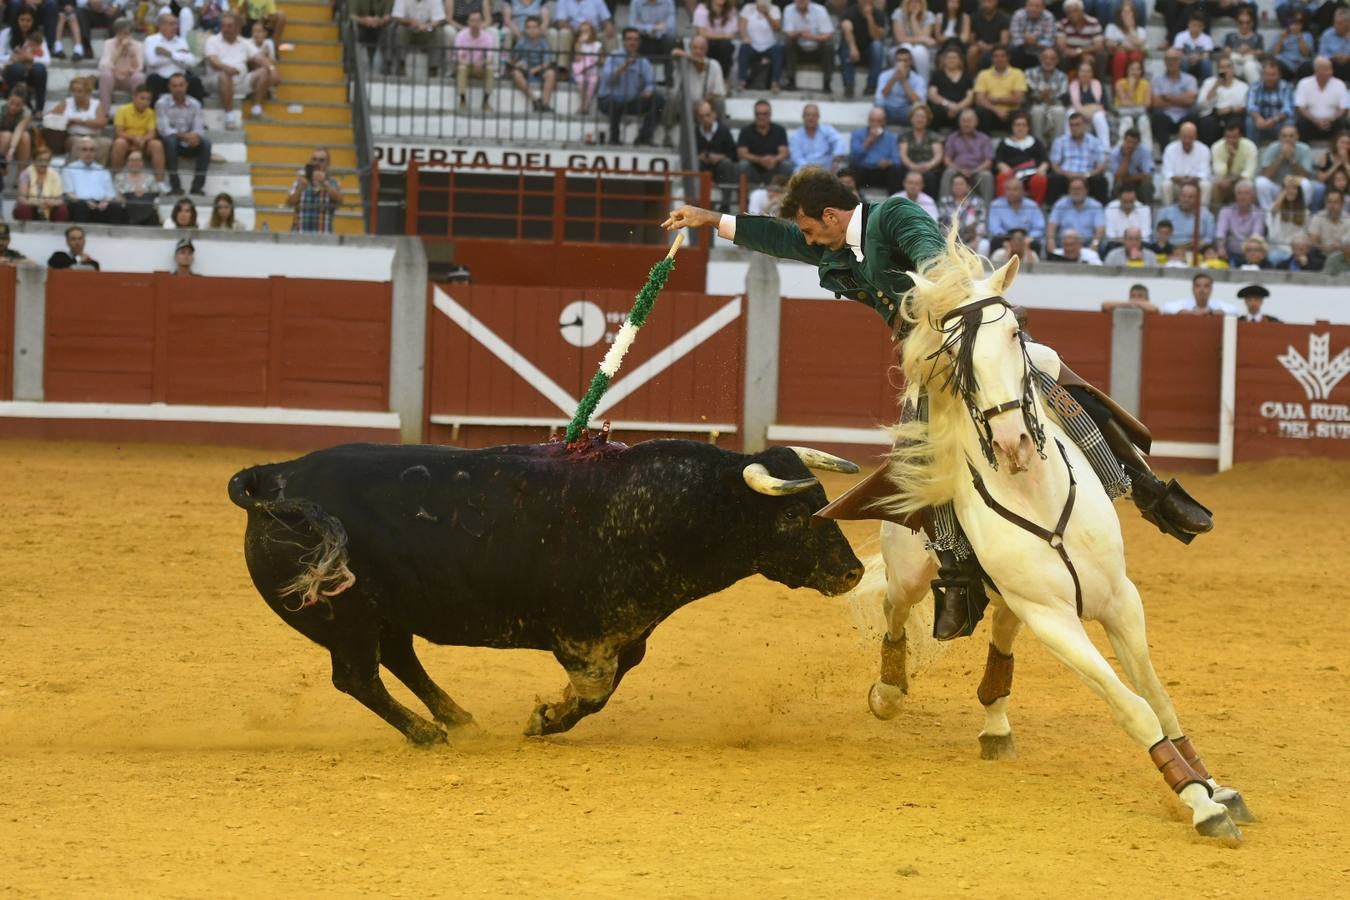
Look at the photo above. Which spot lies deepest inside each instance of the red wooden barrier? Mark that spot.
(1179, 394)
(1082, 340)
(1293, 391)
(7, 284)
(834, 359)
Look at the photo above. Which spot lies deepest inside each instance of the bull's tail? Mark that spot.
(324, 570)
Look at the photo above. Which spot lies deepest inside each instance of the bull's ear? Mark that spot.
(1002, 279)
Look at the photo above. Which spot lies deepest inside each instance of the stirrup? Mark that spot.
(1152, 510)
(967, 585)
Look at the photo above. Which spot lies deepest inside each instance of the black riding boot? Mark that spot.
(958, 596)
(1165, 504)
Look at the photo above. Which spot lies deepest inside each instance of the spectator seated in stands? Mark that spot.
(762, 147)
(79, 115)
(237, 69)
(183, 216)
(1079, 37)
(1234, 159)
(1133, 98)
(1013, 211)
(1126, 41)
(477, 59)
(26, 56)
(1000, 90)
(137, 130)
(1287, 218)
(1077, 154)
(587, 60)
(264, 12)
(1123, 213)
(1017, 245)
(88, 188)
(1288, 157)
(989, 28)
(874, 154)
(1335, 44)
(760, 23)
(222, 214)
(8, 255)
(714, 145)
(1201, 302)
(900, 89)
(912, 27)
(768, 199)
(1087, 97)
(567, 18)
(74, 256)
(951, 89)
(1162, 241)
(421, 25)
(121, 65)
(719, 23)
(1174, 95)
(1186, 161)
(921, 150)
(182, 130)
(267, 48)
(1301, 256)
(39, 194)
(1045, 85)
(184, 255)
(1320, 101)
(1021, 157)
(1131, 252)
(657, 32)
(628, 87)
(1246, 47)
(971, 153)
(862, 41)
(1077, 212)
(963, 211)
(1253, 257)
(1239, 220)
(1330, 229)
(1030, 31)
(912, 189)
(1072, 250)
(532, 65)
(1182, 215)
(67, 23)
(1270, 105)
(140, 192)
(1196, 47)
(93, 14)
(814, 144)
(209, 13)
(705, 82)
(1221, 97)
(1293, 50)
(1131, 165)
(1333, 169)
(1138, 300)
(16, 121)
(374, 30)
(808, 36)
(167, 54)
(314, 196)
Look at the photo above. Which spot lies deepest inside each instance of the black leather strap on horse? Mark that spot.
(1054, 538)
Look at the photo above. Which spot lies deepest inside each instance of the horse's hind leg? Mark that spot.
(996, 740)
(1126, 630)
(1059, 630)
(909, 569)
(397, 655)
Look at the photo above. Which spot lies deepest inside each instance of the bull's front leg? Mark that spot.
(592, 674)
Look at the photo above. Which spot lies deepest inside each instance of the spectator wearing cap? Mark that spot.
(1186, 161)
(184, 255)
(1270, 104)
(74, 256)
(1201, 302)
(1138, 300)
(1241, 219)
(901, 89)
(1174, 96)
(969, 152)
(8, 255)
(808, 35)
(1232, 159)
(815, 144)
(1031, 30)
(763, 147)
(1076, 212)
(1320, 101)
(1014, 212)
(1017, 244)
(1131, 165)
(1253, 296)
(1077, 154)
(1126, 212)
(874, 154)
(1223, 96)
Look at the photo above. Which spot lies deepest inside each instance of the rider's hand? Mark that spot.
(691, 217)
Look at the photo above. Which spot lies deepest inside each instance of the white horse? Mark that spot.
(1042, 526)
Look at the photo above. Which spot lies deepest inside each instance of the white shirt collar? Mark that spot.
(853, 233)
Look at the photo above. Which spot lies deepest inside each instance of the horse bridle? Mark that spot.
(961, 379)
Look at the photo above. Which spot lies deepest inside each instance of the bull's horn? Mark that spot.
(826, 462)
(762, 482)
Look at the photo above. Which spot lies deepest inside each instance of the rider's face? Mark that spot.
(827, 231)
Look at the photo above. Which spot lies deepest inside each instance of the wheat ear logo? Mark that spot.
(1319, 373)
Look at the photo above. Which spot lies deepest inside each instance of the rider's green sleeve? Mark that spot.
(776, 237)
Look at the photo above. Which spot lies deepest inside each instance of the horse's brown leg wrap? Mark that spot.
(997, 680)
(893, 663)
(1192, 757)
(1175, 771)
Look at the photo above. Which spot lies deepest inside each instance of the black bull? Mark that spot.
(360, 547)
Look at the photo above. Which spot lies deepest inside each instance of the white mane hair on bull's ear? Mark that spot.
(1001, 281)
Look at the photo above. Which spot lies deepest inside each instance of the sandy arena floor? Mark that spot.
(162, 733)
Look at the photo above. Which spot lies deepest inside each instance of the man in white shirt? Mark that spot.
(1222, 97)
(1319, 101)
(1201, 302)
(238, 69)
(421, 24)
(1186, 161)
(808, 34)
(1126, 212)
(167, 54)
(914, 191)
(760, 24)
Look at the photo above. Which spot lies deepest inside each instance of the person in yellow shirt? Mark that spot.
(136, 130)
(999, 92)
(266, 12)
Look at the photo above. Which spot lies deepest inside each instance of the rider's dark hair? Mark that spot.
(812, 190)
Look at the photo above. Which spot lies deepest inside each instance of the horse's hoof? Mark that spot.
(1219, 826)
(426, 735)
(1237, 807)
(997, 746)
(885, 700)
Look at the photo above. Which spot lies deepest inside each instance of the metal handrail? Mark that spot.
(357, 70)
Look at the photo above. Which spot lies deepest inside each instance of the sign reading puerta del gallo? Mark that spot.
(1293, 391)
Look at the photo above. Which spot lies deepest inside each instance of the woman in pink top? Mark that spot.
(586, 61)
(720, 23)
(1088, 97)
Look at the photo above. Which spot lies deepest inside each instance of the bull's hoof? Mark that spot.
(425, 734)
(885, 700)
(997, 746)
(1236, 806)
(1220, 827)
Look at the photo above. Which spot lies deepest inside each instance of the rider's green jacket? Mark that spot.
(897, 237)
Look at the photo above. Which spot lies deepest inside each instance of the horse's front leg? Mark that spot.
(996, 740)
(909, 569)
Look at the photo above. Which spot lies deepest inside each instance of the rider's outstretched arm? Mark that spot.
(766, 234)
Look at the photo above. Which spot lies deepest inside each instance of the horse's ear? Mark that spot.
(1001, 281)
